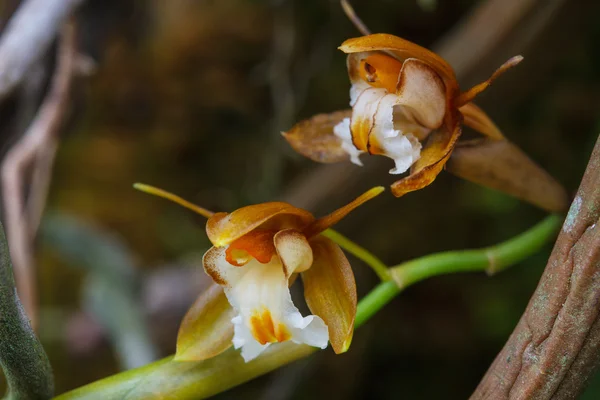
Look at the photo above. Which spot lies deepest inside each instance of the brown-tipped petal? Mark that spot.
(206, 330)
(327, 221)
(470, 94)
(433, 157)
(403, 49)
(219, 269)
(293, 250)
(223, 228)
(476, 118)
(314, 137)
(330, 291)
(502, 166)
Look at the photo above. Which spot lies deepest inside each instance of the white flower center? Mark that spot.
(394, 138)
(266, 314)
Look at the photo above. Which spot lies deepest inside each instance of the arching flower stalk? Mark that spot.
(257, 252)
(407, 105)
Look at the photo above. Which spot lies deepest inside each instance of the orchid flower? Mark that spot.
(407, 105)
(257, 252)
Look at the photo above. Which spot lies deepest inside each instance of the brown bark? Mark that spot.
(555, 347)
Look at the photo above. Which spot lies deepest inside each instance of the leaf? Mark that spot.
(314, 137)
(502, 166)
(330, 291)
(206, 330)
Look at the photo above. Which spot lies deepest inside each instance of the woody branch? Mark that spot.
(555, 348)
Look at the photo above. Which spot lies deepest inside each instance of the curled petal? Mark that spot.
(403, 49)
(500, 165)
(476, 118)
(223, 228)
(330, 291)
(206, 329)
(293, 250)
(327, 221)
(421, 89)
(433, 156)
(470, 94)
(314, 138)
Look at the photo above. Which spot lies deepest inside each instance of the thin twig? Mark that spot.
(29, 34)
(356, 21)
(35, 152)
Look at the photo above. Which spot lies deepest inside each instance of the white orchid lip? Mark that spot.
(260, 295)
(375, 107)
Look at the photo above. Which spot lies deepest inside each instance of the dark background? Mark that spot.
(191, 96)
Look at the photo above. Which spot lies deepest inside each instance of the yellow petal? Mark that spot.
(433, 156)
(327, 221)
(470, 94)
(223, 228)
(330, 291)
(403, 49)
(500, 165)
(293, 250)
(314, 138)
(476, 118)
(206, 329)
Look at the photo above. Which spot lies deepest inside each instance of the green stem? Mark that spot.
(359, 252)
(197, 380)
(491, 259)
(374, 301)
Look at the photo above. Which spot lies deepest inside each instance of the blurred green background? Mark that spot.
(191, 96)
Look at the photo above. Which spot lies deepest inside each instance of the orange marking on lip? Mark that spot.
(257, 244)
(282, 333)
(381, 71)
(264, 330)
